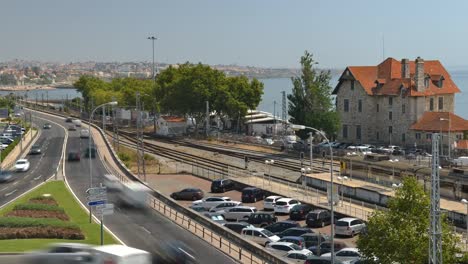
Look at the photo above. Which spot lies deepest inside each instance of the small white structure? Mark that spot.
(263, 123)
(171, 125)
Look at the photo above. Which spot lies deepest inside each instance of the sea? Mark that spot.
(272, 97)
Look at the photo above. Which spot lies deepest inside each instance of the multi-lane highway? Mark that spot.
(147, 230)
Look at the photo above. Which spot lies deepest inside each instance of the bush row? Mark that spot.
(45, 232)
(34, 222)
(38, 206)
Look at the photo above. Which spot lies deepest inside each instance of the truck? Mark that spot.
(133, 194)
(119, 254)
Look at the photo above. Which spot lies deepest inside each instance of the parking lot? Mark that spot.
(169, 183)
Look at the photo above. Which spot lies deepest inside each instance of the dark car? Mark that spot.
(325, 247)
(313, 239)
(280, 226)
(68, 120)
(237, 226)
(74, 156)
(318, 218)
(299, 212)
(295, 231)
(252, 195)
(6, 176)
(222, 185)
(47, 126)
(35, 149)
(188, 194)
(262, 219)
(93, 152)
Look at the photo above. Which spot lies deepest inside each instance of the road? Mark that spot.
(146, 230)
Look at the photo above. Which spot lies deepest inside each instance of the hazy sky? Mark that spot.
(245, 32)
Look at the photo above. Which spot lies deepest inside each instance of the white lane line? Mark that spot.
(146, 230)
(15, 183)
(10, 193)
(4, 189)
(186, 253)
(38, 177)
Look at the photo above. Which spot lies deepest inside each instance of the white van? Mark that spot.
(134, 194)
(76, 122)
(84, 133)
(118, 254)
(461, 161)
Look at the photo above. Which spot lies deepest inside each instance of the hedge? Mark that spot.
(17, 222)
(37, 206)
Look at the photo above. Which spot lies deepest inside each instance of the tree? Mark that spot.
(310, 103)
(400, 234)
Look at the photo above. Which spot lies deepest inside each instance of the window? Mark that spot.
(377, 108)
(390, 129)
(346, 105)
(431, 104)
(426, 82)
(345, 131)
(441, 82)
(360, 105)
(358, 132)
(352, 85)
(403, 108)
(390, 101)
(378, 135)
(418, 135)
(403, 137)
(428, 136)
(390, 115)
(441, 103)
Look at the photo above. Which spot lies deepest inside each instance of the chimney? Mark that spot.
(405, 74)
(419, 75)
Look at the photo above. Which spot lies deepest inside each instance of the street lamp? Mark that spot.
(332, 209)
(269, 163)
(113, 103)
(466, 203)
(342, 179)
(152, 38)
(393, 167)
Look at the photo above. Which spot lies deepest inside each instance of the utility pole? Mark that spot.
(207, 130)
(138, 131)
(153, 75)
(140, 145)
(284, 115)
(435, 247)
(274, 116)
(104, 119)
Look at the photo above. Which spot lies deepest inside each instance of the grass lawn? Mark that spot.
(72, 208)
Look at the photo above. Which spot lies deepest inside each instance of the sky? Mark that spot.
(264, 33)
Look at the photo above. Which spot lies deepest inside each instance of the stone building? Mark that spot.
(397, 102)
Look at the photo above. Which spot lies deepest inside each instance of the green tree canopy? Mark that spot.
(310, 103)
(400, 234)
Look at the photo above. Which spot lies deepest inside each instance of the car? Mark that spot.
(84, 133)
(198, 208)
(269, 202)
(63, 253)
(73, 156)
(35, 149)
(262, 219)
(298, 240)
(345, 254)
(6, 140)
(314, 239)
(22, 165)
(252, 195)
(280, 226)
(325, 247)
(238, 213)
(259, 235)
(216, 217)
(188, 194)
(6, 176)
(281, 248)
(298, 256)
(47, 126)
(211, 201)
(284, 205)
(68, 120)
(91, 151)
(222, 185)
(349, 226)
(71, 128)
(224, 205)
(318, 218)
(295, 231)
(299, 211)
(238, 226)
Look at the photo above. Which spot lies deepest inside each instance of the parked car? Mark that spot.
(295, 231)
(91, 151)
(299, 256)
(6, 176)
(318, 218)
(280, 226)
(259, 235)
(224, 205)
(238, 213)
(252, 195)
(73, 156)
(349, 226)
(262, 219)
(47, 126)
(314, 239)
(198, 208)
(284, 205)
(325, 247)
(212, 201)
(270, 201)
(22, 165)
(215, 217)
(222, 185)
(345, 254)
(188, 194)
(298, 240)
(299, 211)
(35, 149)
(281, 247)
(238, 226)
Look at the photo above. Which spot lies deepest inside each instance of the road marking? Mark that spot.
(38, 177)
(186, 253)
(146, 230)
(10, 193)
(4, 189)
(15, 183)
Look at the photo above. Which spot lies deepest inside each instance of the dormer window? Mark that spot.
(441, 82)
(426, 82)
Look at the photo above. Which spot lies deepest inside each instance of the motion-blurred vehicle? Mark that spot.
(188, 194)
(60, 253)
(119, 254)
(68, 120)
(269, 202)
(47, 126)
(176, 252)
(112, 183)
(22, 165)
(91, 151)
(76, 122)
(212, 201)
(73, 156)
(6, 176)
(222, 185)
(133, 194)
(35, 149)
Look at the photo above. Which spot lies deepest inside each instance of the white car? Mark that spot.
(84, 133)
(210, 202)
(298, 256)
(269, 202)
(224, 205)
(282, 247)
(238, 213)
(345, 254)
(22, 165)
(259, 235)
(284, 205)
(349, 226)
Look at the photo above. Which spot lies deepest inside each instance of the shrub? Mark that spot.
(8, 149)
(38, 206)
(16, 222)
(124, 157)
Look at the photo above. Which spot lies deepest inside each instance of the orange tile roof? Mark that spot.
(430, 121)
(462, 144)
(173, 119)
(388, 73)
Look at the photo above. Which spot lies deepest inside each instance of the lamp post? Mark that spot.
(393, 167)
(466, 238)
(89, 147)
(332, 209)
(269, 163)
(311, 138)
(304, 172)
(152, 38)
